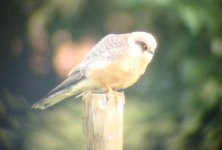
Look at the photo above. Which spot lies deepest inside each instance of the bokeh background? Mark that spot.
(176, 105)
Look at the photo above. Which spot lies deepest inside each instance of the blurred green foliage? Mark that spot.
(177, 104)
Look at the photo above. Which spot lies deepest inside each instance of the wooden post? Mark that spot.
(103, 121)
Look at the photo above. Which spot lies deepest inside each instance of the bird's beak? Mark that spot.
(150, 51)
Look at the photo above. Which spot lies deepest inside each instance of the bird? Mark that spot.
(116, 62)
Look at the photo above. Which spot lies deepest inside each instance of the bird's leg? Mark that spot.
(110, 91)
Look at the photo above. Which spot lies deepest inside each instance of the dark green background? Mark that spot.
(175, 106)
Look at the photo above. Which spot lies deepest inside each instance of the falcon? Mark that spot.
(116, 62)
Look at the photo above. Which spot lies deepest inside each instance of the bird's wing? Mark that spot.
(72, 79)
(103, 53)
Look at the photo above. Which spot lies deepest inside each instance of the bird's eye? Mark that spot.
(142, 44)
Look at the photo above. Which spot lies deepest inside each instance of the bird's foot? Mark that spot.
(111, 92)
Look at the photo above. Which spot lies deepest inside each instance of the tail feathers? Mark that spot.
(54, 99)
(73, 85)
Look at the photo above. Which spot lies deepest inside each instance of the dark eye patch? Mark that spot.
(142, 44)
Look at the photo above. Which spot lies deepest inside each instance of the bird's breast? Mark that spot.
(120, 74)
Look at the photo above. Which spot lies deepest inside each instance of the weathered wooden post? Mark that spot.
(103, 121)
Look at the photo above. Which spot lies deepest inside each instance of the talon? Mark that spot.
(110, 91)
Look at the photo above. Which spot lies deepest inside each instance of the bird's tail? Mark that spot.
(62, 92)
(54, 99)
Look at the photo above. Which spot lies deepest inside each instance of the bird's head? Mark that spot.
(142, 41)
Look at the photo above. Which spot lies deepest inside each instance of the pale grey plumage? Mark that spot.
(104, 51)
